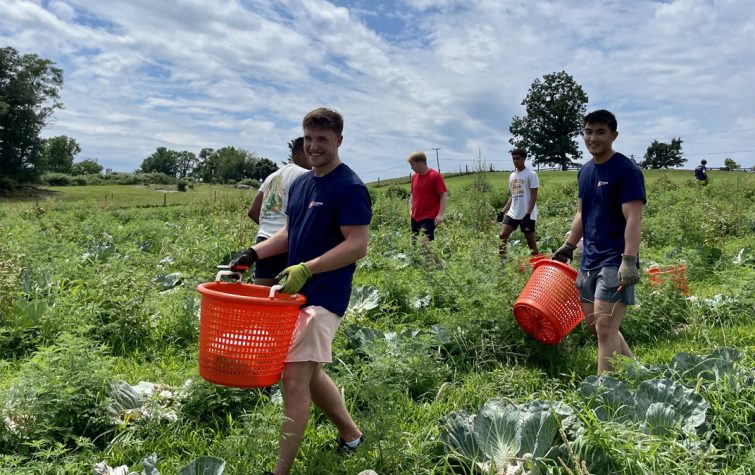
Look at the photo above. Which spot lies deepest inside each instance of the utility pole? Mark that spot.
(437, 160)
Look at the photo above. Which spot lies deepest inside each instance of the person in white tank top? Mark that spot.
(268, 210)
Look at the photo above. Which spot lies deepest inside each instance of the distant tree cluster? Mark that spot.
(555, 110)
(664, 155)
(30, 93)
(225, 165)
(731, 164)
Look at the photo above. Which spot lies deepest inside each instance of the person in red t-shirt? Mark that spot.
(428, 199)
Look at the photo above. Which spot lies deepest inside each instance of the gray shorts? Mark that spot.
(602, 284)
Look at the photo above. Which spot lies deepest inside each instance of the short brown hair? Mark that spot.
(417, 157)
(519, 151)
(324, 118)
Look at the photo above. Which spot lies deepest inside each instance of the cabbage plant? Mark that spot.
(362, 300)
(713, 367)
(503, 436)
(659, 406)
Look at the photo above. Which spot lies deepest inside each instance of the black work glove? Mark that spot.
(499, 217)
(244, 260)
(526, 219)
(564, 253)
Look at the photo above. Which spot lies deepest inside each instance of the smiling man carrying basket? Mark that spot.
(326, 233)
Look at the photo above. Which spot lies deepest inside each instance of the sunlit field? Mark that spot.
(97, 294)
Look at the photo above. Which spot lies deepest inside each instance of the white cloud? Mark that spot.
(429, 73)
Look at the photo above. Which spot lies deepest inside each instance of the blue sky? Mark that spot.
(406, 74)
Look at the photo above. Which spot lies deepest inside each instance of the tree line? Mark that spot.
(29, 94)
(224, 165)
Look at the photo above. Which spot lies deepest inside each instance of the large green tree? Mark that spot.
(731, 164)
(58, 153)
(87, 166)
(664, 155)
(162, 160)
(185, 163)
(555, 108)
(258, 167)
(207, 165)
(29, 93)
(231, 162)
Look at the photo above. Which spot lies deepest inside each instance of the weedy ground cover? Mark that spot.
(96, 293)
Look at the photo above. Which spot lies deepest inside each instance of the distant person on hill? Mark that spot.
(520, 210)
(268, 210)
(701, 172)
(609, 217)
(325, 234)
(429, 197)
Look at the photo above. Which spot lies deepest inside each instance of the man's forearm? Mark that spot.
(533, 200)
(633, 229)
(274, 245)
(576, 231)
(632, 234)
(443, 203)
(344, 254)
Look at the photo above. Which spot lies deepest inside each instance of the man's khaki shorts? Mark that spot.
(313, 336)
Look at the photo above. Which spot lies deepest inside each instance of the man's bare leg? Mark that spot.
(326, 396)
(532, 243)
(590, 321)
(297, 378)
(504, 235)
(611, 342)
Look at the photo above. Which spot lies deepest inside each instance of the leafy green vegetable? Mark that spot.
(659, 406)
(362, 300)
(501, 433)
(204, 466)
(712, 367)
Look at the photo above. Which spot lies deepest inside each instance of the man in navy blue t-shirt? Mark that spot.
(701, 172)
(328, 215)
(609, 217)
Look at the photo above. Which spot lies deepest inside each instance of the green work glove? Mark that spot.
(296, 277)
(564, 253)
(628, 272)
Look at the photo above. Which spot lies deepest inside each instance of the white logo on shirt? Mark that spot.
(314, 203)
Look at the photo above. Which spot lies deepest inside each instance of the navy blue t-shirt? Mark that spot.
(603, 189)
(317, 208)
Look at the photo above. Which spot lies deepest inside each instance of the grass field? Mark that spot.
(94, 291)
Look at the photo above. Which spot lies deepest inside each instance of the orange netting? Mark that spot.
(244, 335)
(676, 274)
(548, 308)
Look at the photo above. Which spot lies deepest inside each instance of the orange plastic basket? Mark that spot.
(548, 308)
(528, 261)
(244, 335)
(676, 274)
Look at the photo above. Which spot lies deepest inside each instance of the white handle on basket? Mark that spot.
(273, 290)
(226, 273)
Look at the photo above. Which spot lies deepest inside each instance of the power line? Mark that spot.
(719, 153)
